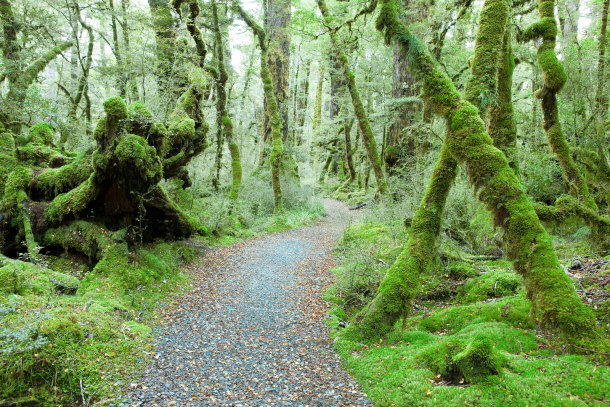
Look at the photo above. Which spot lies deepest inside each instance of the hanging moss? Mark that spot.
(554, 300)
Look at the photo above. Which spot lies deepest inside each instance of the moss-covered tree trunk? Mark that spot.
(363, 122)
(401, 149)
(601, 105)
(275, 157)
(552, 293)
(278, 32)
(554, 77)
(165, 50)
(317, 110)
(221, 105)
(502, 126)
(402, 280)
(19, 75)
(349, 152)
(302, 100)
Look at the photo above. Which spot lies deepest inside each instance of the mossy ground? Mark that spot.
(51, 342)
(465, 309)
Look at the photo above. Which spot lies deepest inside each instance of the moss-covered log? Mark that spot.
(554, 77)
(555, 303)
(363, 121)
(85, 237)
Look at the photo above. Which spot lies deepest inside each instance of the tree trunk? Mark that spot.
(363, 122)
(278, 59)
(301, 105)
(221, 106)
(502, 127)
(404, 85)
(549, 288)
(554, 77)
(317, 110)
(275, 157)
(165, 36)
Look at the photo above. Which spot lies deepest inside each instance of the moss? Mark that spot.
(40, 155)
(481, 86)
(8, 160)
(398, 288)
(71, 202)
(139, 119)
(41, 133)
(493, 284)
(26, 279)
(464, 360)
(84, 237)
(116, 108)
(17, 181)
(139, 111)
(54, 181)
(554, 300)
(567, 207)
(138, 163)
(158, 138)
(554, 77)
(502, 127)
(236, 170)
(461, 271)
(183, 128)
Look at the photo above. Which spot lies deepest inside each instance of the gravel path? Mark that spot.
(252, 333)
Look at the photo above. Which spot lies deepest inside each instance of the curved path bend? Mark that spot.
(251, 333)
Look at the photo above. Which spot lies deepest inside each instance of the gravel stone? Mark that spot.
(252, 332)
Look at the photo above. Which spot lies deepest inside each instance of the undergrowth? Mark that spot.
(56, 348)
(469, 339)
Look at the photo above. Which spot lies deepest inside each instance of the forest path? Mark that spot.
(251, 333)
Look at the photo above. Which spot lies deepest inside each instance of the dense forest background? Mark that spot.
(466, 129)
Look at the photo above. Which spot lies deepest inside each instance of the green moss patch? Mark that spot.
(49, 342)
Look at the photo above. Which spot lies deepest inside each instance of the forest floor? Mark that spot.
(252, 331)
